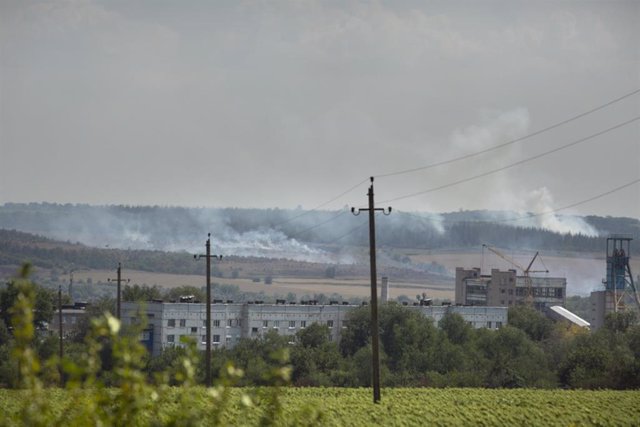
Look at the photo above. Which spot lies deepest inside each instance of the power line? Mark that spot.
(513, 141)
(533, 215)
(350, 189)
(470, 155)
(582, 202)
(317, 225)
(353, 230)
(526, 160)
(467, 156)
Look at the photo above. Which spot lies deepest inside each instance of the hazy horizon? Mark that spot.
(287, 104)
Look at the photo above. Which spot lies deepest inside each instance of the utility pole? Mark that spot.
(208, 257)
(375, 345)
(119, 282)
(61, 349)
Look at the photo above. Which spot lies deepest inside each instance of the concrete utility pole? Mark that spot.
(119, 296)
(375, 346)
(208, 256)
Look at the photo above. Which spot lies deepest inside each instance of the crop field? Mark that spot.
(359, 287)
(347, 407)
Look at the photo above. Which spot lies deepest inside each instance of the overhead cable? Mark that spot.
(513, 141)
(533, 215)
(511, 165)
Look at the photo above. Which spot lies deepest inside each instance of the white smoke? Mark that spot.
(497, 128)
(540, 201)
(268, 243)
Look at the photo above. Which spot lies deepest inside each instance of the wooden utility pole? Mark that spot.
(375, 339)
(119, 296)
(61, 349)
(208, 256)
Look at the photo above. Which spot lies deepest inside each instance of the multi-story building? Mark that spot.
(506, 288)
(167, 323)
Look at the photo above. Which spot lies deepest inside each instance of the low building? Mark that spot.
(72, 316)
(506, 288)
(561, 314)
(167, 322)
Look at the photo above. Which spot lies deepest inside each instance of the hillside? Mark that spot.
(318, 236)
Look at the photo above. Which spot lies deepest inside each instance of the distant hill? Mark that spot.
(17, 247)
(317, 236)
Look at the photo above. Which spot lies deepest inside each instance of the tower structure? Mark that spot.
(619, 287)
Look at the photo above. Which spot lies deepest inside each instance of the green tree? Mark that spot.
(535, 324)
(456, 328)
(43, 308)
(140, 293)
(620, 321)
(314, 358)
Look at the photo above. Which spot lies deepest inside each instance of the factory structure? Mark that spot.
(507, 288)
(620, 293)
(168, 322)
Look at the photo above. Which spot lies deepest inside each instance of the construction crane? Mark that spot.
(525, 271)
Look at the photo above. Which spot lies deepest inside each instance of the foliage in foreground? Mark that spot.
(124, 397)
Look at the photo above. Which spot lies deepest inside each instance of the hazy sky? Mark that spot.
(280, 104)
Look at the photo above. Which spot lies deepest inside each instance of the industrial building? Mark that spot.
(168, 322)
(506, 288)
(620, 291)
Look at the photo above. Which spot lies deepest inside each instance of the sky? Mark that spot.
(291, 103)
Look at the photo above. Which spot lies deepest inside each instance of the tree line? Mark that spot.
(531, 351)
(162, 227)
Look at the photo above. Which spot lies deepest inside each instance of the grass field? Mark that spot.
(345, 287)
(348, 407)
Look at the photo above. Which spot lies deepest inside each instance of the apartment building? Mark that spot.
(167, 322)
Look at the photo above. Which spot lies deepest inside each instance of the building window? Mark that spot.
(303, 323)
(194, 330)
(203, 338)
(254, 330)
(229, 323)
(171, 338)
(489, 324)
(239, 322)
(216, 339)
(276, 323)
(204, 323)
(228, 339)
(330, 323)
(183, 323)
(265, 323)
(171, 323)
(502, 302)
(216, 323)
(292, 324)
(498, 325)
(510, 291)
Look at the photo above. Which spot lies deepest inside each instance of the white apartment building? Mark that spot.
(167, 322)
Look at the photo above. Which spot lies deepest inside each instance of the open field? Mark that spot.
(401, 406)
(345, 287)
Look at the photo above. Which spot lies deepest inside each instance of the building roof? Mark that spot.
(571, 317)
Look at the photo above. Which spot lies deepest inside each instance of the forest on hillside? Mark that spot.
(298, 233)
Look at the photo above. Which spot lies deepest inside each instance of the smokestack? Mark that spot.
(385, 289)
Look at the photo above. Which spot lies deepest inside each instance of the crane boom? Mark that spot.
(525, 271)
